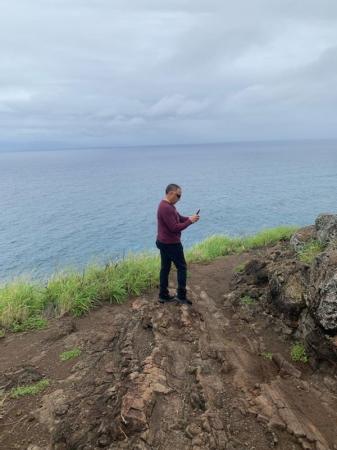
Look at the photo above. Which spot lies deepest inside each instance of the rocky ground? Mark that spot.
(217, 375)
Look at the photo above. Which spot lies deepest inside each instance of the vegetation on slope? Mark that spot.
(26, 304)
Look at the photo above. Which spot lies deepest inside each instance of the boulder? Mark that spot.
(319, 344)
(323, 290)
(326, 312)
(326, 229)
(288, 291)
(54, 405)
(257, 272)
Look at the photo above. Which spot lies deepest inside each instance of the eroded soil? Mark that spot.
(155, 376)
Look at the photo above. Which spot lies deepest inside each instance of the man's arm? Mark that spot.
(170, 220)
(182, 218)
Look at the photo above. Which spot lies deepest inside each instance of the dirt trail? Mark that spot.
(155, 376)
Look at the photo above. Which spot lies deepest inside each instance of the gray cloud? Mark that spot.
(110, 72)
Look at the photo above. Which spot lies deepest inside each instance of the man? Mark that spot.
(170, 226)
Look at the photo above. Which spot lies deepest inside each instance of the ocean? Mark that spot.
(62, 209)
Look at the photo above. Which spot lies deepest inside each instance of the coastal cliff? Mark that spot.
(251, 365)
(296, 285)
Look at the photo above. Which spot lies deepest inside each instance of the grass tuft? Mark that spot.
(32, 323)
(31, 389)
(212, 247)
(219, 245)
(20, 300)
(70, 354)
(247, 300)
(298, 353)
(72, 292)
(267, 355)
(310, 250)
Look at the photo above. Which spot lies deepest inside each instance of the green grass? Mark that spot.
(70, 354)
(298, 353)
(19, 301)
(77, 292)
(23, 303)
(31, 389)
(219, 245)
(32, 323)
(2, 333)
(310, 250)
(247, 300)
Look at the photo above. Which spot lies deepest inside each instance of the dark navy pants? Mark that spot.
(172, 253)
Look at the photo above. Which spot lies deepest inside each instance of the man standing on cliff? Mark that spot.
(170, 226)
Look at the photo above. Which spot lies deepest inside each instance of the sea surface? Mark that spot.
(68, 208)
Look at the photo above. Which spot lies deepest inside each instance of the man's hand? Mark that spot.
(194, 218)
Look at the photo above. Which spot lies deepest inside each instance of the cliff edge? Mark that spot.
(251, 365)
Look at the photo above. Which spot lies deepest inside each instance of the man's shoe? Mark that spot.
(167, 298)
(184, 301)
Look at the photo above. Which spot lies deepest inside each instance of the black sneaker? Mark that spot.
(184, 301)
(167, 298)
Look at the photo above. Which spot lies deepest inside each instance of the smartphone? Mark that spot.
(197, 213)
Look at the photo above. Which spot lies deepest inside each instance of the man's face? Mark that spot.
(174, 196)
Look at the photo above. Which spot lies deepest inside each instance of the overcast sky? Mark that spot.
(77, 73)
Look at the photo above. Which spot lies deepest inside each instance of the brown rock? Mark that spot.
(285, 367)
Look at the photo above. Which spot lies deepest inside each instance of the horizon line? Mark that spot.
(120, 146)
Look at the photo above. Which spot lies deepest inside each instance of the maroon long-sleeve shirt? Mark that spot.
(170, 223)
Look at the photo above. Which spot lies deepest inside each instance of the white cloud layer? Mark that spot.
(110, 72)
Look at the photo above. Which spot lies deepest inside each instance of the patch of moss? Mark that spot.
(267, 355)
(71, 354)
(31, 389)
(310, 250)
(298, 353)
(247, 300)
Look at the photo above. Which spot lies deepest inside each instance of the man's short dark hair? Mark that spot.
(172, 187)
